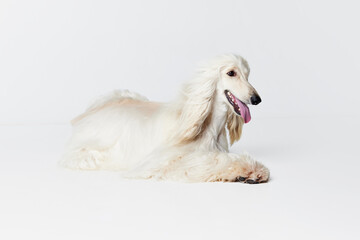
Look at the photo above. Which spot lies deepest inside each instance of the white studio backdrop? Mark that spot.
(56, 56)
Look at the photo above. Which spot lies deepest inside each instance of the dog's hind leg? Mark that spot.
(84, 159)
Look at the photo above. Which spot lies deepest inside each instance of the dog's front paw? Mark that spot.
(252, 172)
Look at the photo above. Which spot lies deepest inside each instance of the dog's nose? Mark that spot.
(255, 100)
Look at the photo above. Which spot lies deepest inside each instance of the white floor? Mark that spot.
(314, 190)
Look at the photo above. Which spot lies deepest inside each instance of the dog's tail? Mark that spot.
(115, 96)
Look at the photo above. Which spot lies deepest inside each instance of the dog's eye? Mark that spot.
(231, 74)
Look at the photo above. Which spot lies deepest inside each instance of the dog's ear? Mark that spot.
(234, 125)
(195, 106)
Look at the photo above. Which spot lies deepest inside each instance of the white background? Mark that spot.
(56, 56)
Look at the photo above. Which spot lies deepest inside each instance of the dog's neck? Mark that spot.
(214, 125)
(218, 116)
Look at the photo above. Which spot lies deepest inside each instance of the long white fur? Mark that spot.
(184, 140)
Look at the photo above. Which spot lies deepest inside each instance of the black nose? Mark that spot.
(255, 100)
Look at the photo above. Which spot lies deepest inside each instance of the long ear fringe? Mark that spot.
(195, 105)
(234, 125)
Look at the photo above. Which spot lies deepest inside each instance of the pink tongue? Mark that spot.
(244, 110)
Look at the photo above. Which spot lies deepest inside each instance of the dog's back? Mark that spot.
(115, 98)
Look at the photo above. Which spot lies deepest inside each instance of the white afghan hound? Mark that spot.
(184, 140)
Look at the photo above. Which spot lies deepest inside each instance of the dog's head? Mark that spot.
(233, 84)
(221, 81)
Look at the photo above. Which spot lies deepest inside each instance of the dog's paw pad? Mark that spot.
(250, 181)
(240, 179)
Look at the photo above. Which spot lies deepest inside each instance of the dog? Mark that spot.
(184, 140)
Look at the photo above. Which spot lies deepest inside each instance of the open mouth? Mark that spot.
(239, 107)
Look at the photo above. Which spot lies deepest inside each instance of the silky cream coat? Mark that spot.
(184, 140)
